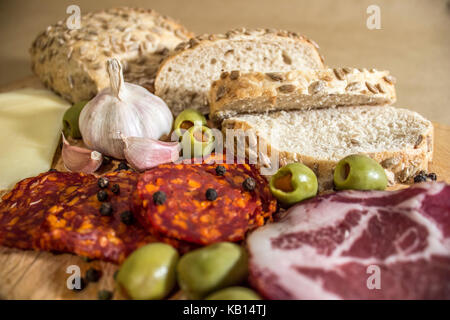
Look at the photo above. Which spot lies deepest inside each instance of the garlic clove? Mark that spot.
(77, 159)
(146, 153)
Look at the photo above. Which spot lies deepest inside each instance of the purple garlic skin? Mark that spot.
(77, 159)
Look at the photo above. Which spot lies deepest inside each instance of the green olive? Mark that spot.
(149, 272)
(234, 293)
(211, 268)
(70, 120)
(199, 140)
(360, 173)
(293, 183)
(187, 119)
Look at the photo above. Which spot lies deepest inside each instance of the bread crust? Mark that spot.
(242, 34)
(72, 62)
(236, 93)
(400, 166)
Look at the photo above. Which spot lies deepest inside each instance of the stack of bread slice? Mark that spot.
(274, 84)
(184, 78)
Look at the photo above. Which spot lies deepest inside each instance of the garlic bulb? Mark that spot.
(146, 153)
(77, 159)
(122, 108)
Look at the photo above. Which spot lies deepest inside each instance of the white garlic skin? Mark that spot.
(138, 114)
(123, 108)
(145, 153)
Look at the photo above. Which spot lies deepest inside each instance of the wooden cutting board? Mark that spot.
(42, 275)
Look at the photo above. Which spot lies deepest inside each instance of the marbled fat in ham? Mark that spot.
(357, 245)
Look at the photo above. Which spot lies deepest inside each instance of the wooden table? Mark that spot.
(42, 275)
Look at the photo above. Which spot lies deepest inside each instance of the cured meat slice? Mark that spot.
(59, 211)
(188, 215)
(357, 245)
(23, 210)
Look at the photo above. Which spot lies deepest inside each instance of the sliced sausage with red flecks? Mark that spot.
(200, 206)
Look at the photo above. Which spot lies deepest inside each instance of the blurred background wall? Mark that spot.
(413, 42)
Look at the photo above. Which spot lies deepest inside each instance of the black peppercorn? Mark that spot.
(420, 178)
(93, 275)
(105, 295)
(432, 176)
(127, 217)
(102, 195)
(106, 209)
(103, 183)
(220, 170)
(211, 194)
(115, 188)
(249, 184)
(123, 166)
(159, 197)
(81, 286)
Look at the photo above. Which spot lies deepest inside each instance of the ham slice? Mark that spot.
(357, 245)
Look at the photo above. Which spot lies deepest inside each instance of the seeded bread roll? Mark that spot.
(72, 62)
(237, 93)
(184, 78)
(400, 140)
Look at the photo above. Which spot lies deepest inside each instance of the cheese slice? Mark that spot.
(30, 129)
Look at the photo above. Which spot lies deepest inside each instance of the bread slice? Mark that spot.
(184, 79)
(72, 62)
(237, 93)
(399, 139)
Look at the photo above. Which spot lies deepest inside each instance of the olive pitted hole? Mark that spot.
(186, 124)
(345, 172)
(284, 183)
(201, 136)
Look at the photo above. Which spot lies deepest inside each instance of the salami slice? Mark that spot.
(186, 212)
(60, 211)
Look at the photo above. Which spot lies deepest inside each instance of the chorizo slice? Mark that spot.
(188, 215)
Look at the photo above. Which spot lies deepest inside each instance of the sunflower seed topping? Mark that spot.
(234, 74)
(286, 88)
(220, 93)
(371, 87)
(390, 79)
(353, 86)
(347, 70)
(316, 87)
(70, 81)
(418, 141)
(380, 88)
(286, 58)
(275, 76)
(390, 162)
(339, 74)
